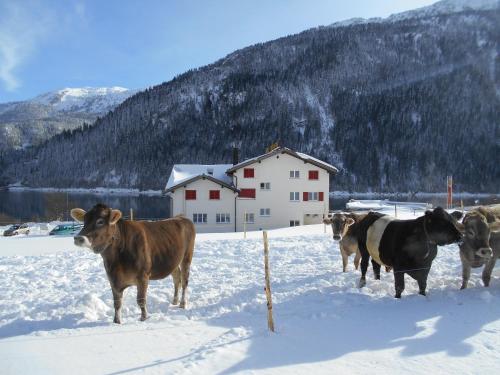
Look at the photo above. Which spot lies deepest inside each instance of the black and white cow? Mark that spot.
(408, 246)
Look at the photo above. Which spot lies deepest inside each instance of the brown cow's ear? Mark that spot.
(115, 216)
(495, 227)
(349, 221)
(78, 214)
(327, 221)
(460, 227)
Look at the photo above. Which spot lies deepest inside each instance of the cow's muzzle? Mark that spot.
(82, 241)
(336, 237)
(484, 252)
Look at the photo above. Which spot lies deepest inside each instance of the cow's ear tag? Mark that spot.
(78, 214)
(115, 216)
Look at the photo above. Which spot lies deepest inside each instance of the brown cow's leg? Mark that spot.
(185, 281)
(176, 275)
(357, 259)
(488, 268)
(185, 266)
(465, 273)
(117, 300)
(345, 259)
(142, 288)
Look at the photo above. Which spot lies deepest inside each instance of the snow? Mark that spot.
(184, 172)
(56, 312)
(85, 99)
(440, 7)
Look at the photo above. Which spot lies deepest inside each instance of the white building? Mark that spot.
(278, 189)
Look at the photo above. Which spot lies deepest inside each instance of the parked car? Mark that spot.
(66, 229)
(16, 229)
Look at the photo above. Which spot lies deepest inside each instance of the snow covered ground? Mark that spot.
(56, 313)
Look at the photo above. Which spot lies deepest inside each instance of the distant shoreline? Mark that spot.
(137, 192)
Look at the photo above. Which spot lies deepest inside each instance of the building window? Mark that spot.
(222, 218)
(200, 218)
(265, 186)
(265, 212)
(190, 195)
(294, 223)
(214, 194)
(314, 175)
(247, 193)
(248, 173)
(313, 196)
(294, 174)
(294, 196)
(249, 218)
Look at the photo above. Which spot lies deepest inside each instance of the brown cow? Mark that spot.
(481, 245)
(135, 252)
(348, 243)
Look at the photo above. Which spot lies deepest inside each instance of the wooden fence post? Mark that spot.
(267, 288)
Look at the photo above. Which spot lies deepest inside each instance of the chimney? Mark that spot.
(236, 158)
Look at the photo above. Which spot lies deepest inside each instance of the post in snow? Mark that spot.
(267, 288)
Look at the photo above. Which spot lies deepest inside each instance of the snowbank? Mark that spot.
(56, 313)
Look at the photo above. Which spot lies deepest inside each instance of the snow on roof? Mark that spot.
(300, 155)
(185, 172)
(309, 157)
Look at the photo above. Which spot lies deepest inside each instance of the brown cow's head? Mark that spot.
(99, 227)
(477, 233)
(441, 227)
(340, 224)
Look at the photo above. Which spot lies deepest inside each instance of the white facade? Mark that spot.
(276, 171)
(204, 205)
(278, 189)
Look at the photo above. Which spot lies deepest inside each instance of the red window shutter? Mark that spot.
(214, 194)
(247, 193)
(190, 194)
(248, 172)
(313, 175)
(320, 194)
(305, 196)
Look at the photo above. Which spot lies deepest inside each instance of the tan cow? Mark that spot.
(481, 244)
(135, 252)
(344, 232)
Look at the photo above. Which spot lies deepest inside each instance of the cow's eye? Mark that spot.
(470, 233)
(99, 222)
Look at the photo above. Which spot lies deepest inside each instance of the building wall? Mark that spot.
(276, 170)
(202, 204)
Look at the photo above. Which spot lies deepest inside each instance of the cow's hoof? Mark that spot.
(117, 321)
(463, 287)
(398, 296)
(486, 282)
(175, 301)
(422, 293)
(182, 305)
(362, 283)
(143, 318)
(377, 277)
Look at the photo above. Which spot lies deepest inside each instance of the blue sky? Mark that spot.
(52, 44)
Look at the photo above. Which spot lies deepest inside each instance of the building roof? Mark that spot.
(183, 174)
(284, 150)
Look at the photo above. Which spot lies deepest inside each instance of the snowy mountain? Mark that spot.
(396, 104)
(33, 121)
(96, 100)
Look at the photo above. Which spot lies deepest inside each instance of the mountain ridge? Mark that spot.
(396, 105)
